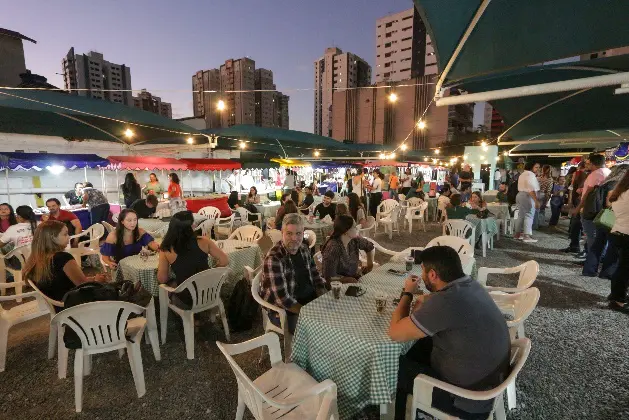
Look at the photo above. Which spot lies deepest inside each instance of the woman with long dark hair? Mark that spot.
(22, 232)
(174, 190)
(356, 209)
(7, 217)
(128, 239)
(186, 254)
(341, 251)
(289, 207)
(619, 200)
(131, 190)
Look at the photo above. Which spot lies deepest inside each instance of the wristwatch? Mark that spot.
(409, 294)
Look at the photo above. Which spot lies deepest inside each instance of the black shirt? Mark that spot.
(72, 198)
(304, 290)
(59, 283)
(308, 200)
(143, 211)
(323, 211)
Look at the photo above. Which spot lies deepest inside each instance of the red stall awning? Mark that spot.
(211, 164)
(145, 163)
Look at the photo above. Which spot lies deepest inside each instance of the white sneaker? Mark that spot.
(529, 240)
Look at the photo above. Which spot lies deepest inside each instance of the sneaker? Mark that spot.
(529, 240)
(581, 255)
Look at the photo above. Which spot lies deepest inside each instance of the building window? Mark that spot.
(388, 25)
(407, 28)
(405, 49)
(407, 39)
(386, 75)
(408, 17)
(387, 64)
(387, 45)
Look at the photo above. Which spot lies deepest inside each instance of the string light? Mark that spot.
(437, 151)
(220, 105)
(243, 145)
(505, 153)
(382, 155)
(392, 156)
(129, 133)
(190, 140)
(392, 98)
(316, 153)
(404, 147)
(464, 157)
(483, 143)
(421, 125)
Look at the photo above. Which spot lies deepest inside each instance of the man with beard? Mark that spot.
(289, 275)
(462, 336)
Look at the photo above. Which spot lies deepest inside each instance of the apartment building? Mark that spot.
(335, 71)
(149, 102)
(92, 76)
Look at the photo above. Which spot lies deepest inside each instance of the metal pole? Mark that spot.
(117, 187)
(85, 172)
(190, 180)
(220, 181)
(6, 175)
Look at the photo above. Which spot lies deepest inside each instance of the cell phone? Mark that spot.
(396, 272)
(353, 291)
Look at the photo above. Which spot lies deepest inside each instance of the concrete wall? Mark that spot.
(11, 61)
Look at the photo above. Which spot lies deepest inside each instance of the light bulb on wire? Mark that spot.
(220, 105)
(243, 145)
(392, 156)
(421, 125)
(316, 153)
(190, 140)
(382, 155)
(129, 133)
(404, 147)
(437, 151)
(392, 98)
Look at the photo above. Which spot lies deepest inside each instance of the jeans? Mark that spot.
(526, 213)
(417, 361)
(556, 203)
(539, 219)
(590, 231)
(575, 233)
(620, 279)
(610, 256)
(393, 194)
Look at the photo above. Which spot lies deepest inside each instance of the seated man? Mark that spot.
(326, 208)
(308, 200)
(145, 208)
(289, 275)
(462, 336)
(67, 217)
(501, 196)
(456, 210)
(75, 196)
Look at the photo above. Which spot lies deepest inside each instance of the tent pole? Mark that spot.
(117, 187)
(190, 181)
(6, 176)
(85, 173)
(213, 181)
(220, 181)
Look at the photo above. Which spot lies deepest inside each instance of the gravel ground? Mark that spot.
(577, 368)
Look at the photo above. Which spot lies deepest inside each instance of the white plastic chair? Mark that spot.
(270, 223)
(103, 327)
(256, 278)
(109, 228)
(424, 384)
(297, 395)
(519, 305)
(205, 227)
(21, 254)
(114, 217)
(224, 226)
(210, 212)
(384, 209)
(381, 248)
(370, 228)
(55, 332)
(90, 246)
(401, 197)
(244, 217)
(528, 273)
(205, 288)
(165, 212)
(416, 213)
(247, 233)
(460, 245)
(461, 229)
(392, 221)
(311, 237)
(17, 315)
(274, 234)
(442, 213)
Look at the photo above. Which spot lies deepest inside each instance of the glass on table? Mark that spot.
(409, 263)
(336, 287)
(381, 302)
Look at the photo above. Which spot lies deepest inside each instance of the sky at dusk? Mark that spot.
(166, 41)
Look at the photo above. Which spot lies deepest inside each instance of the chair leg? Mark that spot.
(410, 226)
(137, 369)
(240, 411)
(87, 364)
(163, 313)
(52, 341)
(511, 397)
(221, 309)
(78, 380)
(120, 353)
(17, 278)
(4, 338)
(62, 355)
(151, 329)
(484, 243)
(188, 330)
(500, 407)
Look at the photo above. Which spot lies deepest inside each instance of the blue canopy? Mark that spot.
(39, 161)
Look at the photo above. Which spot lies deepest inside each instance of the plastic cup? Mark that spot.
(336, 289)
(381, 302)
(409, 263)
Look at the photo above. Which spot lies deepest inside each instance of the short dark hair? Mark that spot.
(596, 159)
(53, 199)
(529, 165)
(152, 200)
(445, 261)
(329, 194)
(455, 199)
(88, 185)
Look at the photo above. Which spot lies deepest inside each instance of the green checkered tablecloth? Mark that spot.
(239, 253)
(269, 209)
(500, 210)
(346, 341)
(487, 226)
(156, 227)
(321, 229)
(468, 262)
(432, 207)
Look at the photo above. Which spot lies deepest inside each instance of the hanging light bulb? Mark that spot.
(382, 155)
(392, 98)
(129, 133)
(220, 105)
(392, 156)
(404, 147)
(243, 145)
(437, 151)
(190, 140)
(316, 153)
(483, 143)
(421, 125)
(505, 153)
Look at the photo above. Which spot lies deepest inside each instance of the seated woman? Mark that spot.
(280, 210)
(341, 210)
(7, 217)
(416, 192)
(341, 252)
(54, 271)
(477, 202)
(356, 209)
(186, 254)
(457, 210)
(234, 203)
(127, 240)
(289, 207)
(22, 232)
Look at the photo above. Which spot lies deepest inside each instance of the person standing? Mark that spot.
(289, 181)
(174, 189)
(376, 194)
(454, 178)
(153, 187)
(545, 181)
(557, 200)
(96, 201)
(527, 202)
(619, 199)
(394, 182)
(466, 177)
(574, 198)
(131, 190)
(145, 208)
(75, 196)
(407, 179)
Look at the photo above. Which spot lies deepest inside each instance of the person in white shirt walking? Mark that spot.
(376, 193)
(527, 202)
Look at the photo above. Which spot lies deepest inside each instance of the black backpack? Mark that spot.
(513, 191)
(242, 307)
(85, 293)
(595, 200)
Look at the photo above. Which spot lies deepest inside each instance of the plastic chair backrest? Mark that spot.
(95, 232)
(114, 217)
(414, 201)
(247, 233)
(387, 205)
(459, 228)
(99, 325)
(311, 237)
(21, 253)
(275, 235)
(371, 221)
(528, 273)
(402, 197)
(108, 227)
(525, 304)
(210, 212)
(204, 287)
(318, 258)
(205, 227)
(460, 245)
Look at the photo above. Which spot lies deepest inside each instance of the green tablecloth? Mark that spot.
(432, 207)
(239, 253)
(321, 229)
(487, 226)
(160, 227)
(500, 210)
(269, 209)
(346, 341)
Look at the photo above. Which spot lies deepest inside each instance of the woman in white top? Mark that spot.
(22, 233)
(527, 202)
(376, 193)
(619, 199)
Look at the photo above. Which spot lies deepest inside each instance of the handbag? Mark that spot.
(605, 219)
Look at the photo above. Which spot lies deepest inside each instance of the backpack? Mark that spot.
(513, 191)
(242, 307)
(595, 200)
(85, 293)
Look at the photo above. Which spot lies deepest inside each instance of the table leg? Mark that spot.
(484, 244)
(387, 411)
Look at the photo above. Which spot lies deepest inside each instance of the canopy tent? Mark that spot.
(210, 164)
(290, 163)
(569, 144)
(145, 163)
(56, 113)
(39, 161)
(260, 165)
(384, 162)
(333, 164)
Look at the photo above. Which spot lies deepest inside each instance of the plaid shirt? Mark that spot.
(278, 275)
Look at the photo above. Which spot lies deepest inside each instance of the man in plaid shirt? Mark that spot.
(290, 278)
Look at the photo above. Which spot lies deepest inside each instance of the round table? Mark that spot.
(485, 229)
(320, 228)
(268, 209)
(500, 210)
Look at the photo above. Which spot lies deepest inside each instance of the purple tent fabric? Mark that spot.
(16, 161)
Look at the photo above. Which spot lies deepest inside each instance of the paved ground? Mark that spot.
(577, 369)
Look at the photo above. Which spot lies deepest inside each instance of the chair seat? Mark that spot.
(283, 381)
(26, 312)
